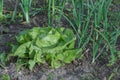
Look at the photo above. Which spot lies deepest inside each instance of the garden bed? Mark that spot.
(78, 69)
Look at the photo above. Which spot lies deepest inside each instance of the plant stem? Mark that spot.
(1, 7)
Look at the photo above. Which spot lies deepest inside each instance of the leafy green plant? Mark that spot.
(41, 45)
(25, 5)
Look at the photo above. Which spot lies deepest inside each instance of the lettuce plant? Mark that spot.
(45, 45)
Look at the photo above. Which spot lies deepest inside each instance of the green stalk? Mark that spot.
(58, 11)
(1, 8)
(26, 4)
(101, 23)
(84, 24)
(49, 12)
(109, 45)
(53, 7)
(105, 14)
(15, 10)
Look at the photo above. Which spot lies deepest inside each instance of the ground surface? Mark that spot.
(77, 70)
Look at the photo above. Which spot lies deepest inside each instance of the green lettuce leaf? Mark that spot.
(52, 45)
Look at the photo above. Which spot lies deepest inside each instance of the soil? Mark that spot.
(77, 70)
